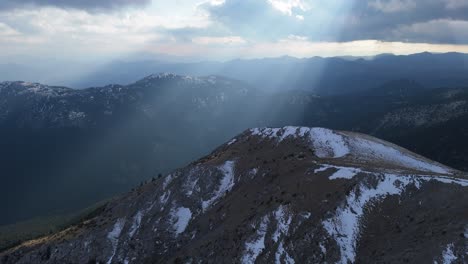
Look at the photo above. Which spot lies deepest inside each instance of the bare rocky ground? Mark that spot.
(289, 195)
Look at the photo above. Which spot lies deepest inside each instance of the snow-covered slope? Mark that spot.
(354, 147)
(279, 195)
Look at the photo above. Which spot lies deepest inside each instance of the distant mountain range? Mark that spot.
(64, 149)
(324, 76)
(278, 195)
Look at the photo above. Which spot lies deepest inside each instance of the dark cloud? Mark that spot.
(77, 4)
(431, 21)
(404, 20)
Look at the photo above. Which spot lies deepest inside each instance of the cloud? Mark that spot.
(393, 5)
(288, 6)
(78, 33)
(234, 27)
(76, 4)
(260, 19)
(454, 4)
(438, 31)
(228, 40)
(340, 20)
(6, 30)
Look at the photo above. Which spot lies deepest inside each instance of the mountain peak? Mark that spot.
(277, 195)
(23, 87)
(211, 79)
(353, 148)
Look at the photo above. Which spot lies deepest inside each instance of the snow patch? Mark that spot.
(191, 183)
(341, 173)
(328, 144)
(448, 257)
(306, 215)
(136, 223)
(114, 235)
(167, 181)
(323, 249)
(288, 132)
(253, 171)
(181, 217)
(444, 179)
(232, 141)
(226, 184)
(350, 172)
(344, 226)
(164, 197)
(378, 151)
(76, 115)
(256, 246)
(345, 173)
(331, 144)
(281, 252)
(283, 221)
(323, 168)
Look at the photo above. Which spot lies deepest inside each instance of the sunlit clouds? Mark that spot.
(227, 29)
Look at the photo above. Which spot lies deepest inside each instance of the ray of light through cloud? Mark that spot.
(227, 29)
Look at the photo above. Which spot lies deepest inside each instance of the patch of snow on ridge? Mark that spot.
(232, 141)
(191, 182)
(328, 144)
(341, 173)
(443, 179)
(114, 235)
(376, 150)
(345, 173)
(350, 172)
(288, 132)
(164, 197)
(280, 133)
(136, 223)
(265, 132)
(226, 184)
(256, 246)
(182, 217)
(283, 221)
(331, 144)
(167, 180)
(344, 226)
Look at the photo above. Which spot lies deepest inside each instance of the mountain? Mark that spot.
(83, 146)
(287, 195)
(64, 149)
(323, 76)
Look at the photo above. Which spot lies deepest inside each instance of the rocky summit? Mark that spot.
(278, 195)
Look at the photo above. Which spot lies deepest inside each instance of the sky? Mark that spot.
(227, 29)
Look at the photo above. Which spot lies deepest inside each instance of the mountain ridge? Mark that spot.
(118, 136)
(280, 195)
(320, 75)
